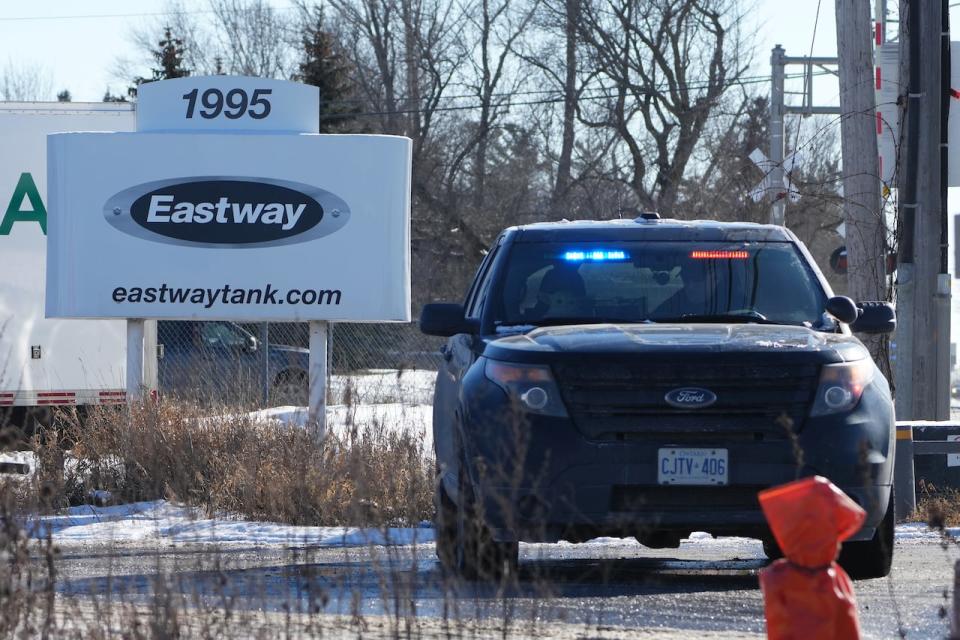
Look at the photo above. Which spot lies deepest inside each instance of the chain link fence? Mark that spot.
(266, 364)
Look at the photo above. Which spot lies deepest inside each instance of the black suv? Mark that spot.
(647, 378)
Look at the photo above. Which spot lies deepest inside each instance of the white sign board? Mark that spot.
(227, 224)
(228, 103)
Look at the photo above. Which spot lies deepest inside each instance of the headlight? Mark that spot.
(531, 387)
(841, 386)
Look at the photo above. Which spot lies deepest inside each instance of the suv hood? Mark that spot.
(656, 338)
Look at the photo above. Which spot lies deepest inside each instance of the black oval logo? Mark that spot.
(226, 212)
(690, 398)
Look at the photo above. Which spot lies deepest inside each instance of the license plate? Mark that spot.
(692, 466)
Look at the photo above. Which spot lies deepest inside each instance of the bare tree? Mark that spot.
(555, 53)
(496, 26)
(254, 38)
(23, 82)
(370, 29)
(663, 66)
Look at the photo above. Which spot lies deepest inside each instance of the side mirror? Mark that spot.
(875, 317)
(442, 319)
(843, 309)
(252, 344)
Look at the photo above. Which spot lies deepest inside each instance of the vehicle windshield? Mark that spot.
(577, 283)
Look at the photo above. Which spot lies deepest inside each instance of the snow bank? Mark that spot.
(164, 523)
(384, 386)
(161, 522)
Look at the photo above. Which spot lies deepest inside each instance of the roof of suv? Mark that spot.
(663, 230)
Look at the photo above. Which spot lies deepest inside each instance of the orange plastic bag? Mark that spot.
(807, 594)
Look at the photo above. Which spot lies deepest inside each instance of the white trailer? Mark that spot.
(47, 362)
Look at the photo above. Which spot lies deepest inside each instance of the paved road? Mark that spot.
(705, 587)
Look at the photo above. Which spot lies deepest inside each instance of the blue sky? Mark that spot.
(81, 53)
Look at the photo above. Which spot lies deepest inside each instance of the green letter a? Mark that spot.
(25, 188)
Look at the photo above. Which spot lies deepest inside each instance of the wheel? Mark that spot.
(771, 549)
(659, 539)
(872, 558)
(291, 387)
(445, 528)
(465, 545)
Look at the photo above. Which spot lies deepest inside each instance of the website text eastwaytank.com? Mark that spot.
(267, 295)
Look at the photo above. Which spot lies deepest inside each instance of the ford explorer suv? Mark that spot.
(647, 378)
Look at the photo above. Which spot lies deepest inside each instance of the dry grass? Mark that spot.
(939, 508)
(372, 476)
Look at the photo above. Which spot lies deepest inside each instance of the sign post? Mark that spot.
(227, 204)
(316, 413)
(135, 367)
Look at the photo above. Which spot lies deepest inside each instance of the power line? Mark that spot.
(557, 97)
(813, 39)
(97, 16)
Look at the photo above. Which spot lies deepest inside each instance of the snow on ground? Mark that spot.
(394, 416)
(394, 401)
(909, 532)
(161, 522)
(384, 386)
(416, 420)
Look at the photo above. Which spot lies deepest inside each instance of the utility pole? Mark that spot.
(921, 370)
(776, 183)
(777, 74)
(862, 204)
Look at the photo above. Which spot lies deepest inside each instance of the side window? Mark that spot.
(220, 334)
(481, 285)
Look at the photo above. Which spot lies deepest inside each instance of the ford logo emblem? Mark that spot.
(690, 398)
(226, 212)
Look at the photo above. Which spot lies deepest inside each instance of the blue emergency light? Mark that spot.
(596, 255)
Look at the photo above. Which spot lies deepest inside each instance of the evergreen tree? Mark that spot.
(169, 58)
(109, 97)
(323, 65)
(64, 96)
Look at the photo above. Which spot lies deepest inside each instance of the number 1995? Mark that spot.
(235, 104)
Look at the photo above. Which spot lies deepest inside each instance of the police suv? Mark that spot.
(647, 378)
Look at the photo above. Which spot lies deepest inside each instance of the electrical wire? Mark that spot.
(813, 39)
(557, 98)
(97, 16)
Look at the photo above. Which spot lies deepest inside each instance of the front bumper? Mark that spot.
(539, 479)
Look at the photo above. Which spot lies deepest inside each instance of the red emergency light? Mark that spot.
(719, 255)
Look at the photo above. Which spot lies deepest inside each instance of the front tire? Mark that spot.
(465, 544)
(872, 558)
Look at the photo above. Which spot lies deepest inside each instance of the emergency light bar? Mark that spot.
(719, 255)
(598, 255)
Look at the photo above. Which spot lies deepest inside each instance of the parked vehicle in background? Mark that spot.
(647, 378)
(46, 363)
(223, 362)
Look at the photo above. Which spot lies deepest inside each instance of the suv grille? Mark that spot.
(626, 401)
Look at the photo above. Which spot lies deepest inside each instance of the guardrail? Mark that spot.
(904, 478)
